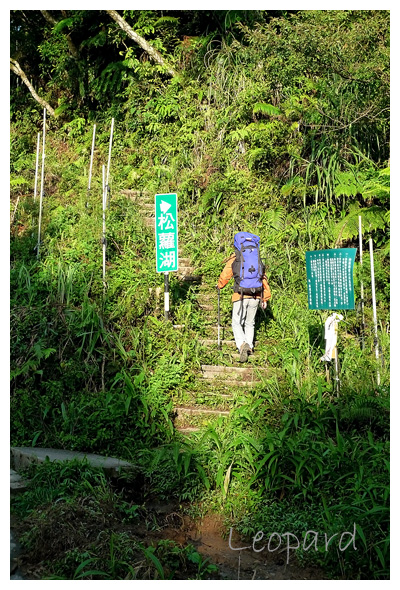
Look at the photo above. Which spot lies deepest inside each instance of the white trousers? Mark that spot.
(243, 320)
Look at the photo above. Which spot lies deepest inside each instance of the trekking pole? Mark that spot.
(109, 159)
(37, 166)
(219, 319)
(42, 182)
(91, 163)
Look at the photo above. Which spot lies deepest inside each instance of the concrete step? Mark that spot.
(139, 195)
(196, 417)
(207, 307)
(150, 222)
(21, 457)
(131, 192)
(227, 383)
(210, 332)
(187, 270)
(148, 207)
(17, 483)
(145, 213)
(239, 375)
(192, 278)
(223, 329)
(214, 342)
(203, 297)
(189, 411)
(187, 430)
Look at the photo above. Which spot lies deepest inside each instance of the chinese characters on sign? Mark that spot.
(330, 278)
(166, 210)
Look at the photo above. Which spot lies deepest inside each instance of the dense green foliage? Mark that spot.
(275, 123)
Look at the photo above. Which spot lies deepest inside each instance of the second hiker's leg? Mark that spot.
(251, 310)
(237, 329)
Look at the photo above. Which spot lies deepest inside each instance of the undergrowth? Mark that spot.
(247, 144)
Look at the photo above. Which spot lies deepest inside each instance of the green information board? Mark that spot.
(330, 278)
(166, 211)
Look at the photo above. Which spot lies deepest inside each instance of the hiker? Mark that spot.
(250, 289)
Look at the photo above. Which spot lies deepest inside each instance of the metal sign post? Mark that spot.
(166, 231)
(166, 295)
(330, 286)
(362, 285)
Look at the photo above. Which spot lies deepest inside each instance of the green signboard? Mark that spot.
(166, 211)
(330, 278)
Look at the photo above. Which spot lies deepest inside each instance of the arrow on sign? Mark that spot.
(165, 206)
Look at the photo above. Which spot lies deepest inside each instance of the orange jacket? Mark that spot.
(226, 276)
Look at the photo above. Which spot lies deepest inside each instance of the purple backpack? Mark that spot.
(247, 268)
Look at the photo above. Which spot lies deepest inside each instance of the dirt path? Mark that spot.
(208, 537)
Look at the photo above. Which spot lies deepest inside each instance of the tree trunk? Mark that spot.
(153, 53)
(71, 46)
(16, 68)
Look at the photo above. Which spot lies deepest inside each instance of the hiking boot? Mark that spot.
(244, 352)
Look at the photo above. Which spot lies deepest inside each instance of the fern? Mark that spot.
(18, 181)
(347, 185)
(166, 20)
(266, 109)
(370, 185)
(110, 78)
(98, 40)
(275, 218)
(254, 156)
(373, 218)
(66, 22)
(365, 410)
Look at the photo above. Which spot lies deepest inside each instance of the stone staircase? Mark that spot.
(218, 384)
